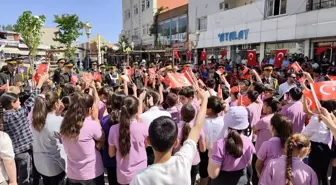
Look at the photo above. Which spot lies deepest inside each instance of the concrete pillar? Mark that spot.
(307, 49)
(262, 52)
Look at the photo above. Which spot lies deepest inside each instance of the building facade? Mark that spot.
(138, 19)
(301, 26)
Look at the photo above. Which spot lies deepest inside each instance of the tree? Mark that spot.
(154, 29)
(69, 30)
(122, 39)
(30, 29)
(8, 27)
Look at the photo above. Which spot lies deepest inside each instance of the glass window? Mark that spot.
(144, 30)
(202, 23)
(136, 10)
(276, 7)
(174, 26)
(143, 5)
(147, 3)
(182, 24)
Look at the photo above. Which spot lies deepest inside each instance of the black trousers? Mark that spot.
(112, 176)
(96, 181)
(231, 178)
(193, 173)
(319, 160)
(55, 180)
(255, 178)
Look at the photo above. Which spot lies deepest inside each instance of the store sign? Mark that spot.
(230, 36)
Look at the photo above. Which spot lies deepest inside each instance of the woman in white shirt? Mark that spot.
(48, 152)
(320, 138)
(7, 162)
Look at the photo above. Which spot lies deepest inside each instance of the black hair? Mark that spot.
(7, 99)
(187, 92)
(330, 105)
(211, 83)
(295, 93)
(253, 95)
(187, 114)
(283, 127)
(171, 99)
(155, 95)
(128, 110)
(259, 87)
(113, 106)
(273, 103)
(215, 104)
(234, 144)
(162, 133)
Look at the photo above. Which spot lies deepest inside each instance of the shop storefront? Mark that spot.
(324, 49)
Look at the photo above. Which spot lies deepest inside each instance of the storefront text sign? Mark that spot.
(229, 36)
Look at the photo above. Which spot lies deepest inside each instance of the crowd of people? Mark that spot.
(234, 125)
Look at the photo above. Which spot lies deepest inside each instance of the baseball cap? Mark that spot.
(237, 118)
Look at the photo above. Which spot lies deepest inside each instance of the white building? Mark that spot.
(137, 20)
(301, 26)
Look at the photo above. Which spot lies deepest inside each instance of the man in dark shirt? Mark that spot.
(8, 73)
(66, 76)
(58, 71)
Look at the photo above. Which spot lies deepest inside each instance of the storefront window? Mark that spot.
(293, 47)
(324, 51)
(239, 53)
(183, 24)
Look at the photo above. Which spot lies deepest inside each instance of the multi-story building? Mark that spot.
(301, 26)
(138, 18)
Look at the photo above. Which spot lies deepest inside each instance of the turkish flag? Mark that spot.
(125, 78)
(151, 72)
(245, 70)
(252, 58)
(87, 78)
(188, 55)
(203, 55)
(235, 89)
(321, 50)
(332, 78)
(220, 71)
(161, 78)
(243, 101)
(325, 90)
(224, 53)
(310, 99)
(176, 55)
(97, 76)
(279, 56)
(178, 80)
(41, 69)
(187, 74)
(74, 79)
(130, 71)
(296, 67)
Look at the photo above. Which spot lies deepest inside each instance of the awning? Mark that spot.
(10, 50)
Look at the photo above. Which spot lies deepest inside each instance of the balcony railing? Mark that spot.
(320, 5)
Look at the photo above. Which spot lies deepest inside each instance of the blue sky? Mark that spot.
(104, 15)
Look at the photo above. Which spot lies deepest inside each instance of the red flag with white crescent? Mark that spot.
(224, 53)
(252, 58)
(176, 55)
(178, 80)
(203, 55)
(332, 78)
(310, 99)
(243, 101)
(296, 67)
(325, 90)
(188, 55)
(279, 56)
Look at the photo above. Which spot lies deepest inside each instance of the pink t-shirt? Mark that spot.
(180, 126)
(275, 173)
(263, 129)
(83, 159)
(294, 111)
(229, 163)
(269, 150)
(101, 109)
(254, 112)
(234, 103)
(136, 159)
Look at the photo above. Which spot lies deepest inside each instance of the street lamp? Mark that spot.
(197, 34)
(88, 27)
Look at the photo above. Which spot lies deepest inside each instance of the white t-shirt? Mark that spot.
(152, 114)
(212, 128)
(175, 171)
(317, 131)
(285, 87)
(6, 153)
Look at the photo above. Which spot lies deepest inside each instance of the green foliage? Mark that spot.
(69, 30)
(8, 27)
(122, 39)
(30, 29)
(153, 30)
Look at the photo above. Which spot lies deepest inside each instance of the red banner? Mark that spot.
(204, 56)
(279, 56)
(252, 58)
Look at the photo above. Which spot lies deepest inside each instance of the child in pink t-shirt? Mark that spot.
(281, 129)
(127, 142)
(184, 127)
